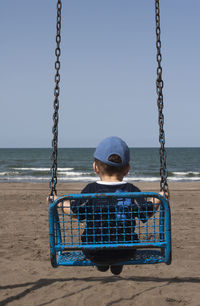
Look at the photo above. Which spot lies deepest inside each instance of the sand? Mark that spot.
(27, 277)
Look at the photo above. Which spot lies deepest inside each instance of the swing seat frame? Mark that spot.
(154, 236)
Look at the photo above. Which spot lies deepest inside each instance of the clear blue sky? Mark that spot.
(108, 72)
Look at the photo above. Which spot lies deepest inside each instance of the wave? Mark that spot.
(73, 173)
(183, 179)
(42, 169)
(143, 179)
(67, 174)
(24, 179)
(68, 171)
(3, 173)
(88, 178)
(65, 169)
(9, 173)
(80, 179)
(46, 179)
(187, 173)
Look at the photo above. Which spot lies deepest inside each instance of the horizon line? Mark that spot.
(136, 147)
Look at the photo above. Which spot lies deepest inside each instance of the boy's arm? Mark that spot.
(156, 201)
(73, 208)
(146, 209)
(65, 205)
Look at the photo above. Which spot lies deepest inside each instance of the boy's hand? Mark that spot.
(51, 198)
(157, 201)
(65, 204)
(164, 194)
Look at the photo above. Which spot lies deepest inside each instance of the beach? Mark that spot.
(27, 277)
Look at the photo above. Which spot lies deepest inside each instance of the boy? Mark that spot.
(111, 164)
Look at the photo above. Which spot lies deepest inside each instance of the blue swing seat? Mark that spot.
(107, 228)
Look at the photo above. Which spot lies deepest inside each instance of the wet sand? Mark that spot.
(27, 277)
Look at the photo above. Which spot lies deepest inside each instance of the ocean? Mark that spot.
(75, 164)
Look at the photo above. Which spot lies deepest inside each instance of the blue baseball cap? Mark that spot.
(112, 145)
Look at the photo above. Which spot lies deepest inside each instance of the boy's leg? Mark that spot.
(109, 257)
(100, 257)
(116, 270)
(103, 268)
(97, 258)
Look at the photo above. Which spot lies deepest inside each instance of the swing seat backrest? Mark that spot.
(109, 221)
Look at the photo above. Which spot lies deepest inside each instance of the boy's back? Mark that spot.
(111, 220)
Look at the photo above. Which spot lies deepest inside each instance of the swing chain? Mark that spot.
(159, 87)
(54, 155)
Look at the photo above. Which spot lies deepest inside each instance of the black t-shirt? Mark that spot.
(114, 220)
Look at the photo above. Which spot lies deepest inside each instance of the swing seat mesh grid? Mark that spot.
(109, 221)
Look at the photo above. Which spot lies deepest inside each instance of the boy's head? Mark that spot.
(112, 157)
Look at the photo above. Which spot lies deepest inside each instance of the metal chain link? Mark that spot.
(159, 87)
(54, 155)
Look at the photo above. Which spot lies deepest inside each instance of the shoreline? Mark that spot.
(75, 186)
